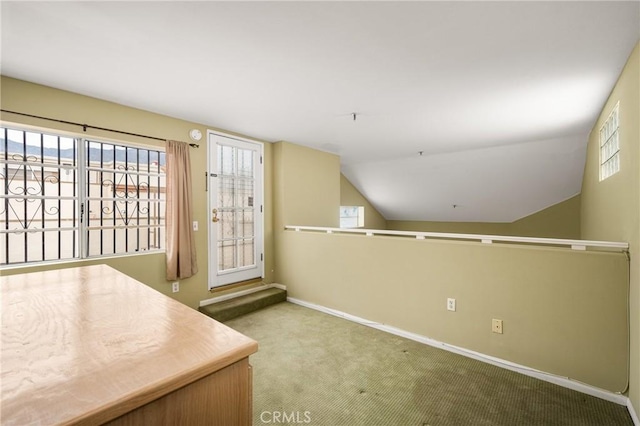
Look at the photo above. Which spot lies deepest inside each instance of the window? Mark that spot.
(610, 145)
(351, 216)
(71, 198)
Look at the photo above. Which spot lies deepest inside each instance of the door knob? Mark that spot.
(214, 217)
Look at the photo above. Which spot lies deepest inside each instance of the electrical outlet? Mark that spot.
(451, 304)
(195, 225)
(496, 326)
(175, 287)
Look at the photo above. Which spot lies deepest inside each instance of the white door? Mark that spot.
(235, 210)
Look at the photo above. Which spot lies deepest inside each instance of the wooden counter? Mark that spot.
(91, 345)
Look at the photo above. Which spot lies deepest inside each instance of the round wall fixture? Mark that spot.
(195, 134)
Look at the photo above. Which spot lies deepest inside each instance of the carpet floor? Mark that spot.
(316, 369)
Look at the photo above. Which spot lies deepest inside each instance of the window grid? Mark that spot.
(32, 165)
(127, 213)
(610, 145)
(236, 193)
(351, 216)
(60, 202)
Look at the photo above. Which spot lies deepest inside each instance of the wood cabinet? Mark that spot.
(90, 345)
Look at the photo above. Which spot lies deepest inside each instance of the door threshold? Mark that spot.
(238, 293)
(230, 286)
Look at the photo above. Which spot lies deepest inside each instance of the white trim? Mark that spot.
(239, 293)
(547, 377)
(236, 137)
(214, 279)
(103, 258)
(575, 244)
(632, 413)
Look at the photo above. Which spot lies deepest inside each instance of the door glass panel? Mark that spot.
(236, 195)
(226, 160)
(227, 225)
(245, 160)
(246, 251)
(245, 225)
(244, 191)
(226, 193)
(226, 255)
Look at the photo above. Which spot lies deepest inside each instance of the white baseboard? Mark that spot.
(547, 377)
(632, 412)
(240, 293)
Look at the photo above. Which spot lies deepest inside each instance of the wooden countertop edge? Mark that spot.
(159, 389)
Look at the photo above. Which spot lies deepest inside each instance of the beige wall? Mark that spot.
(561, 220)
(40, 100)
(306, 191)
(564, 311)
(350, 196)
(306, 186)
(611, 208)
(546, 297)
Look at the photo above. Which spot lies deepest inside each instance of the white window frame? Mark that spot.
(81, 198)
(609, 144)
(359, 216)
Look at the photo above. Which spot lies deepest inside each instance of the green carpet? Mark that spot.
(232, 308)
(316, 369)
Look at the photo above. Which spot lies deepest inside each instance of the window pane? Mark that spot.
(226, 255)
(126, 188)
(226, 160)
(351, 216)
(226, 192)
(246, 252)
(40, 197)
(227, 225)
(245, 163)
(244, 192)
(38, 200)
(348, 222)
(236, 207)
(245, 225)
(609, 145)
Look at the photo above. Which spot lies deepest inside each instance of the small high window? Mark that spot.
(610, 145)
(351, 216)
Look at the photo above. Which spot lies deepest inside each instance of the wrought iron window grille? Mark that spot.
(71, 198)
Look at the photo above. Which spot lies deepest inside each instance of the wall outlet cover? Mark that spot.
(451, 304)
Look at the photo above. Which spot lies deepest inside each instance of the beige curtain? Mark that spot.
(180, 243)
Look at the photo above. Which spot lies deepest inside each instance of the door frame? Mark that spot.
(212, 276)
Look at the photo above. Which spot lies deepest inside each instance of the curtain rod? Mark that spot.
(88, 126)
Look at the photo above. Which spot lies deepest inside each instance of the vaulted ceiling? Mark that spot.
(498, 97)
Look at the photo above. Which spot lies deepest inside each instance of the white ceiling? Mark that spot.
(499, 96)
